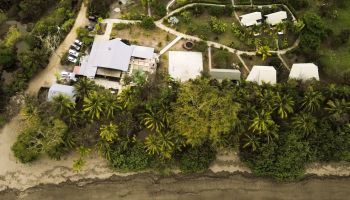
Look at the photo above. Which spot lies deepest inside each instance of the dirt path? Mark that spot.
(205, 186)
(47, 76)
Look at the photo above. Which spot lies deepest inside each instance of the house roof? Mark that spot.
(57, 89)
(142, 52)
(260, 74)
(221, 74)
(304, 71)
(276, 18)
(185, 65)
(251, 18)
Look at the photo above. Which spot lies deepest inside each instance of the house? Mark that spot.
(185, 65)
(263, 74)
(276, 18)
(57, 89)
(251, 19)
(222, 74)
(110, 60)
(304, 71)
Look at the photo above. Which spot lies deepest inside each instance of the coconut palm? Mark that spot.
(261, 122)
(111, 104)
(312, 101)
(93, 106)
(63, 105)
(284, 105)
(304, 123)
(109, 132)
(83, 87)
(160, 144)
(264, 51)
(251, 140)
(152, 120)
(339, 110)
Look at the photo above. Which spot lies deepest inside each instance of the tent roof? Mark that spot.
(251, 18)
(184, 65)
(276, 18)
(57, 89)
(221, 74)
(304, 71)
(262, 74)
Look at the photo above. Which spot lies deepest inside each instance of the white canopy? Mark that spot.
(184, 65)
(304, 71)
(262, 74)
(251, 19)
(276, 18)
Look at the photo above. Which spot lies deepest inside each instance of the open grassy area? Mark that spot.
(155, 38)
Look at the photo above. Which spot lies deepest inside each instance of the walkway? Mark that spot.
(170, 3)
(209, 57)
(172, 43)
(110, 23)
(47, 76)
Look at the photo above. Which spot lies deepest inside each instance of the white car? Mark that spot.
(73, 53)
(78, 42)
(72, 59)
(74, 46)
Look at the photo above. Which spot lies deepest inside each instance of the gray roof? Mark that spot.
(142, 52)
(57, 89)
(221, 74)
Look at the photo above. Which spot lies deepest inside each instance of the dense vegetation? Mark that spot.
(161, 122)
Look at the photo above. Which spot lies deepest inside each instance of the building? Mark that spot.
(57, 89)
(251, 19)
(304, 71)
(185, 65)
(276, 18)
(110, 60)
(263, 74)
(222, 74)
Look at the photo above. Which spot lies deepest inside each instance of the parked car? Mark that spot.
(90, 27)
(92, 18)
(73, 53)
(65, 74)
(68, 75)
(72, 59)
(78, 42)
(75, 47)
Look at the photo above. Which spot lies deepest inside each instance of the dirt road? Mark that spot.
(47, 76)
(207, 186)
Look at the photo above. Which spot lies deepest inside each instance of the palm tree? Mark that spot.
(261, 122)
(161, 144)
(264, 51)
(156, 120)
(252, 141)
(93, 105)
(284, 105)
(63, 105)
(109, 132)
(339, 110)
(305, 123)
(312, 101)
(83, 87)
(111, 104)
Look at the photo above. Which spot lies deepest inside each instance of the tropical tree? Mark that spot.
(284, 105)
(339, 110)
(261, 122)
(304, 123)
(63, 105)
(161, 144)
(312, 101)
(83, 87)
(251, 140)
(93, 106)
(111, 104)
(264, 51)
(299, 26)
(109, 132)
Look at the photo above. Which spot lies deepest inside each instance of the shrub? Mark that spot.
(121, 26)
(196, 159)
(147, 23)
(24, 149)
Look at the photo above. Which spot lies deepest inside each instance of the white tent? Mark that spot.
(304, 71)
(251, 19)
(276, 18)
(57, 89)
(184, 65)
(262, 74)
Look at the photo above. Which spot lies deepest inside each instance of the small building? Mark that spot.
(263, 74)
(276, 18)
(251, 19)
(222, 74)
(57, 89)
(185, 65)
(304, 71)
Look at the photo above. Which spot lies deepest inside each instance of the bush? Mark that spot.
(24, 149)
(121, 26)
(196, 159)
(147, 23)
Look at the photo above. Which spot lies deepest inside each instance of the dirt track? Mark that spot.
(207, 186)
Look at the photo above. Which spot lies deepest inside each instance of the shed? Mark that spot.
(263, 74)
(276, 18)
(304, 71)
(57, 89)
(222, 74)
(251, 19)
(185, 65)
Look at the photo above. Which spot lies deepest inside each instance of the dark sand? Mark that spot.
(183, 187)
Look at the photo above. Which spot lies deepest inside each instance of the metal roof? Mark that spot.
(57, 89)
(221, 74)
(260, 74)
(142, 52)
(304, 71)
(251, 18)
(276, 18)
